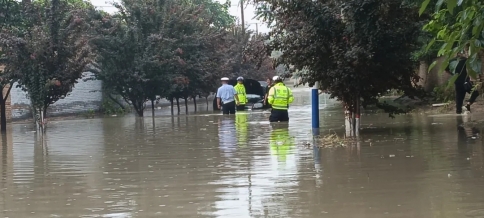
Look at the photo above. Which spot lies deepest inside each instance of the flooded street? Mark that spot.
(208, 165)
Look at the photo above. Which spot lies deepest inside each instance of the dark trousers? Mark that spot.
(278, 115)
(241, 107)
(460, 95)
(228, 108)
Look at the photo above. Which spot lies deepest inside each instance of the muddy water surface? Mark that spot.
(207, 165)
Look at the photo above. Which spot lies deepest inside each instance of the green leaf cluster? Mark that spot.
(459, 27)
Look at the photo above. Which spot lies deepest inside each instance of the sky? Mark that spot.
(234, 10)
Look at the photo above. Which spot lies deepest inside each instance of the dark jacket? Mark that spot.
(461, 70)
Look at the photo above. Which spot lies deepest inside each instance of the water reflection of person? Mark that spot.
(465, 132)
(280, 141)
(241, 127)
(465, 136)
(227, 136)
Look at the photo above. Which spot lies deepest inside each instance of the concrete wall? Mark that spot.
(432, 79)
(85, 96)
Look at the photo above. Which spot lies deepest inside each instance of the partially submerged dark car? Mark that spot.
(255, 94)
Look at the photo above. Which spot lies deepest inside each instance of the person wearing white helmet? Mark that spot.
(241, 94)
(227, 97)
(279, 97)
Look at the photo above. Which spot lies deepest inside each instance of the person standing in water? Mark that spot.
(463, 85)
(279, 97)
(241, 94)
(227, 97)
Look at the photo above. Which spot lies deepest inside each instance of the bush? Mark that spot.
(444, 93)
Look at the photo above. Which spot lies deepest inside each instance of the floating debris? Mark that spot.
(333, 140)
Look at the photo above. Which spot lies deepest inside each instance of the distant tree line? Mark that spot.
(150, 49)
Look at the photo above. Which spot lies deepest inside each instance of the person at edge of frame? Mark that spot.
(462, 84)
(227, 97)
(279, 97)
(268, 87)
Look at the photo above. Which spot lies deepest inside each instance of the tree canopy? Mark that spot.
(356, 49)
(459, 26)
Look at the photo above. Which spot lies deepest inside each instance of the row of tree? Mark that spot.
(150, 49)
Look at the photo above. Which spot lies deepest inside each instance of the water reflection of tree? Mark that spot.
(6, 169)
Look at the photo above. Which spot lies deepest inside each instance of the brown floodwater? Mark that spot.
(207, 165)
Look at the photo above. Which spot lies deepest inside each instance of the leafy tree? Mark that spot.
(459, 26)
(204, 44)
(150, 48)
(356, 49)
(51, 54)
(257, 62)
(10, 16)
(217, 14)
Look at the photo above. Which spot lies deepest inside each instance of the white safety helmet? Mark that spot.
(275, 78)
(224, 79)
(240, 78)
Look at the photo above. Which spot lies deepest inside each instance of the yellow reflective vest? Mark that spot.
(280, 96)
(240, 89)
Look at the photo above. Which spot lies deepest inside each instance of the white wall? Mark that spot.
(85, 96)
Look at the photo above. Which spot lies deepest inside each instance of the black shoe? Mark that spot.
(468, 107)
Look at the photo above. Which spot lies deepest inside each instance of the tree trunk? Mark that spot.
(178, 104)
(206, 99)
(352, 118)
(152, 108)
(186, 105)
(42, 117)
(171, 102)
(195, 102)
(3, 102)
(357, 117)
(140, 112)
(3, 118)
(424, 76)
(138, 107)
(348, 122)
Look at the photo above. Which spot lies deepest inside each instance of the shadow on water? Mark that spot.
(208, 165)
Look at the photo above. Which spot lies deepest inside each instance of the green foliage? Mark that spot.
(355, 49)
(78, 4)
(444, 93)
(459, 27)
(109, 107)
(149, 50)
(10, 13)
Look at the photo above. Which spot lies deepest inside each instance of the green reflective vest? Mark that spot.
(240, 89)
